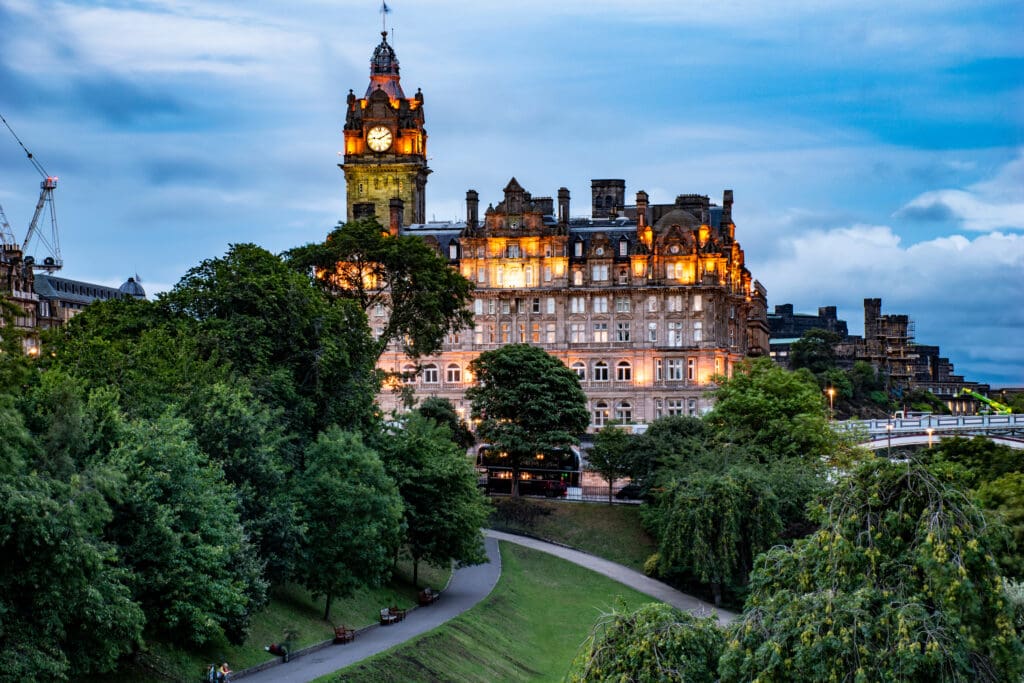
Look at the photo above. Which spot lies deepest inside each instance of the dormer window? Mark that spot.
(453, 250)
(577, 248)
(623, 247)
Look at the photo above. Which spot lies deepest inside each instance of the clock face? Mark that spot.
(379, 138)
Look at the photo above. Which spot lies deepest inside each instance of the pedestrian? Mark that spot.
(211, 674)
(223, 672)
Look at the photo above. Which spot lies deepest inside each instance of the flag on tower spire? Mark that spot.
(384, 12)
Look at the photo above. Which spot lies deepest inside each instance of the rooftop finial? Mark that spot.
(384, 12)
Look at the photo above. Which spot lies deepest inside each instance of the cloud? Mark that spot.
(995, 204)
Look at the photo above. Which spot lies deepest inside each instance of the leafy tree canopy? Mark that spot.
(611, 456)
(424, 298)
(815, 350)
(441, 411)
(528, 403)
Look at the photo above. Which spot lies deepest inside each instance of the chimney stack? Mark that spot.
(472, 208)
(563, 206)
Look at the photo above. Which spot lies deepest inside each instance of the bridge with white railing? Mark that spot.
(929, 429)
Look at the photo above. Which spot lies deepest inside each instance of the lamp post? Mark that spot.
(888, 435)
(930, 431)
(831, 395)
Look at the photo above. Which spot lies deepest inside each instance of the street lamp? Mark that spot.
(930, 431)
(831, 395)
(888, 434)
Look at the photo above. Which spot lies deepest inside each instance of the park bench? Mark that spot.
(398, 613)
(344, 635)
(428, 597)
(386, 617)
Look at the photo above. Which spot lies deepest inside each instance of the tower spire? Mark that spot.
(384, 12)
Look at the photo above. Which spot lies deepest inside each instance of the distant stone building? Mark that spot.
(647, 303)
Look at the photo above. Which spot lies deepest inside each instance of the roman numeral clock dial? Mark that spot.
(379, 138)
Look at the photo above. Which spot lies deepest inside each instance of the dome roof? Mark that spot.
(683, 219)
(132, 288)
(384, 61)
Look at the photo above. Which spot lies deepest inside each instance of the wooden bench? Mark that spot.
(386, 617)
(428, 597)
(344, 635)
(399, 614)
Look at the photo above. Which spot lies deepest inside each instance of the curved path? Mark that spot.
(468, 586)
(624, 575)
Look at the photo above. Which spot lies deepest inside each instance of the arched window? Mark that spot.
(453, 373)
(408, 373)
(600, 371)
(580, 369)
(624, 411)
(430, 374)
(577, 277)
(600, 413)
(624, 371)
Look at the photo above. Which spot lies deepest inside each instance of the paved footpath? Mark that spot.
(468, 586)
(624, 575)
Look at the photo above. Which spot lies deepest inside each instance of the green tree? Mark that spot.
(65, 607)
(656, 643)
(424, 297)
(528, 403)
(193, 571)
(1004, 496)
(352, 513)
(899, 583)
(815, 350)
(611, 457)
(712, 526)
(441, 411)
(444, 509)
(781, 414)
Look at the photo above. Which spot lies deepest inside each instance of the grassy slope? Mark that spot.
(613, 532)
(291, 607)
(528, 629)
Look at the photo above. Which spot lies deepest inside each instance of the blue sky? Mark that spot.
(876, 149)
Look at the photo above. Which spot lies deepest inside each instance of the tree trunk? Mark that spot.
(716, 592)
(327, 607)
(415, 571)
(515, 482)
(610, 492)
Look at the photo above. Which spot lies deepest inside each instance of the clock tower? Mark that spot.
(385, 145)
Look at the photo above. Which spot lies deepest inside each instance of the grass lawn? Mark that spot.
(613, 532)
(291, 607)
(528, 629)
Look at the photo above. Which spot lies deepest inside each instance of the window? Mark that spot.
(622, 331)
(659, 369)
(578, 304)
(453, 250)
(600, 413)
(491, 306)
(535, 333)
(600, 332)
(580, 369)
(551, 305)
(624, 411)
(452, 339)
(547, 273)
(623, 247)
(481, 274)
(506, 306)
(674, 303)
(506, 333)
(658, 411)
(670, 270)
(600, 371)
(378, 310)
(697, 302)
(577, 277)
(453, 374)
(478, 334)
(675, 369)
(500, 275)
(577, 248)
(600, 304)
(408, 374)
(522, 333)
(691, 407)
(652, 332)
(480, 252)
(674, 406)
(718, 366)
(624, 371)
(430, 374)
(577, 333)
(513, 250)
(622, 304)
(623, 277)
(549, 333)
(599, 272)
(691, 368)
(478, 306)
(535, 305)
(698, 330)
(675, 333)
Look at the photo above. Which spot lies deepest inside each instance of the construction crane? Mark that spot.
(52, 261)
(997, 407)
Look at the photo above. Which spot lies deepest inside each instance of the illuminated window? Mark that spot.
(430, 374)
(506, 333)
(600, 333)
(535, 333)
(580, 369)
(453, 374)
(624, 371)
(697, 302)
(500, 275)
(718, 366)
(600, 371)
